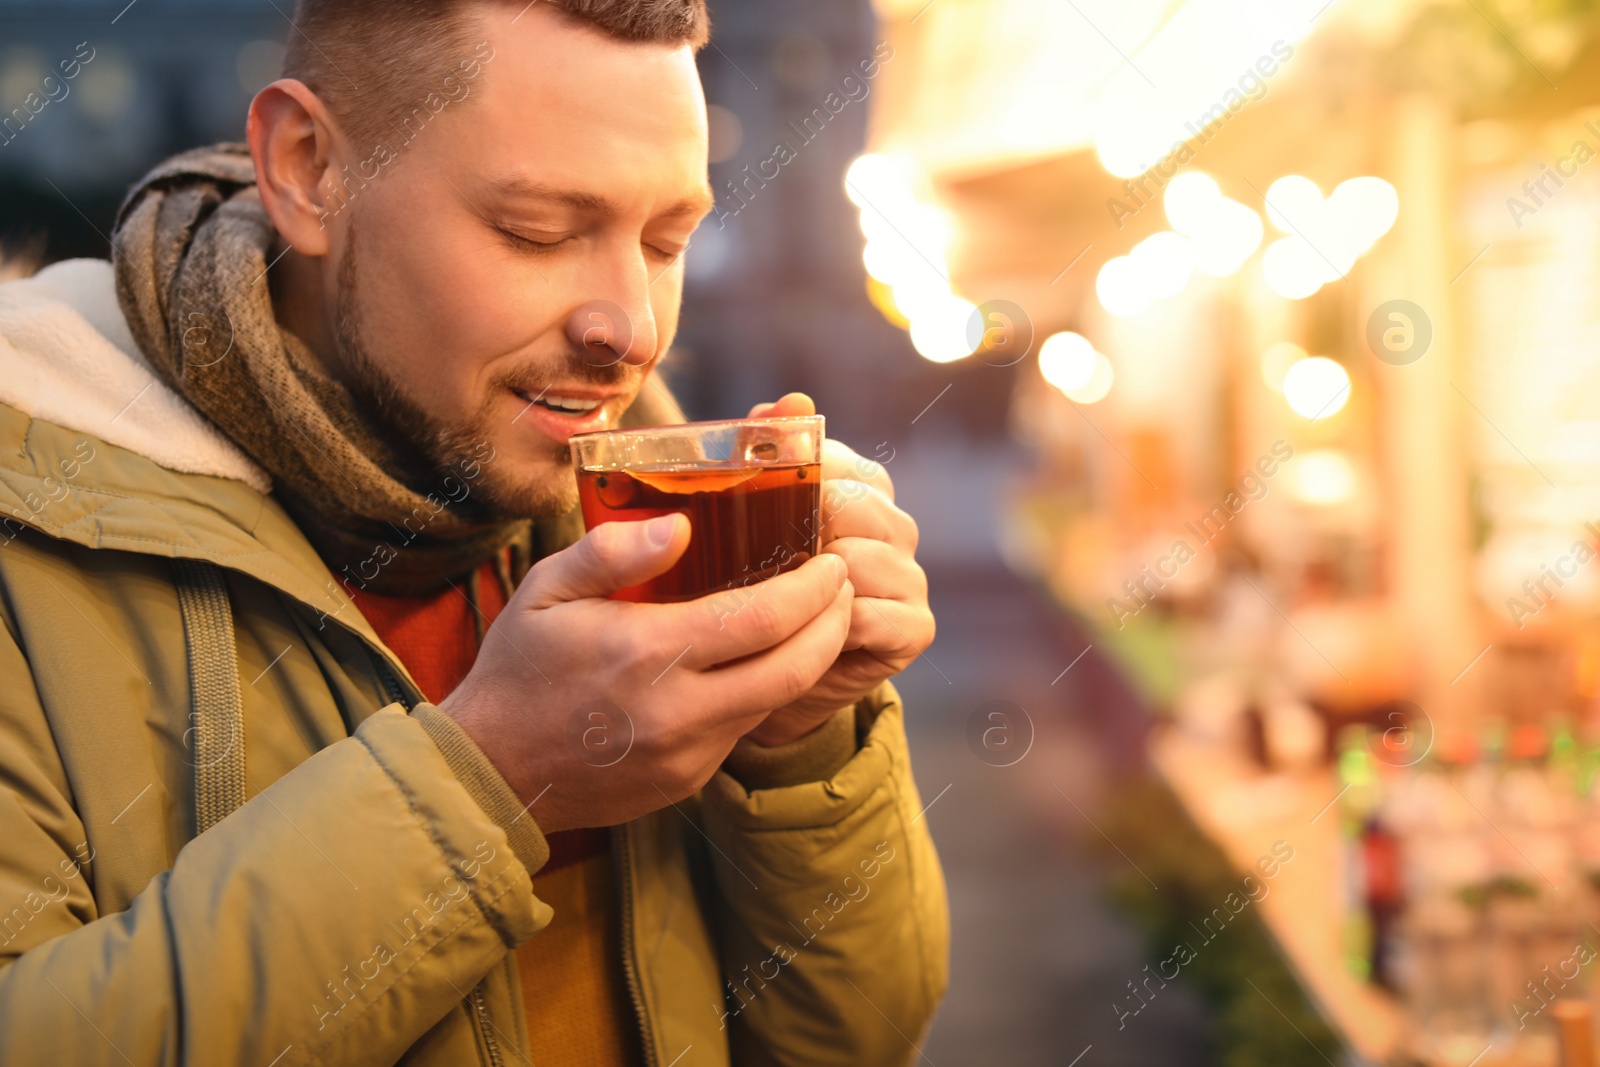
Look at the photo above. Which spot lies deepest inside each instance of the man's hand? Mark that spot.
(890, 620)
(600, 711)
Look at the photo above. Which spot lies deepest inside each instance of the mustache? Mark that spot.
(585, 367)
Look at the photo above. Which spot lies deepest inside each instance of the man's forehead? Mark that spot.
(569, 116)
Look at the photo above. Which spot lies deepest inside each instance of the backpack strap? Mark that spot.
(216, 709)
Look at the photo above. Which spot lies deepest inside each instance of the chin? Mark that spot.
(528, 488)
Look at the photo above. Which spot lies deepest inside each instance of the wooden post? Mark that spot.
(1422, 423)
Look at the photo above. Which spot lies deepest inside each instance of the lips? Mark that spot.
(560, 412)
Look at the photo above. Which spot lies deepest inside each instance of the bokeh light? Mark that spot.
(1222, 233)
(1120, 289)
(939, 330)
(1325, 235)
(1068, 361)
(908, 238)
(1316, 387)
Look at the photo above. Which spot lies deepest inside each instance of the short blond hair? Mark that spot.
(371, 60)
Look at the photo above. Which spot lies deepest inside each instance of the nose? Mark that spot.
(619, 327)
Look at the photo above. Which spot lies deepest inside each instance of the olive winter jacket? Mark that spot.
(232, 833)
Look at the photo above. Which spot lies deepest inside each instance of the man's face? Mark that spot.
(520, 265)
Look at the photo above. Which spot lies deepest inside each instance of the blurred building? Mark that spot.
(152, 78)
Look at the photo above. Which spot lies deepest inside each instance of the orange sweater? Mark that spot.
(571, 973)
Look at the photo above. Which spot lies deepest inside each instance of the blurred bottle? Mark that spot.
(1359, 799)
(1372, 816)
(1384, 896)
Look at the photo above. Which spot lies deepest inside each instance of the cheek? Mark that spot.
(666, 297)
(442, 306)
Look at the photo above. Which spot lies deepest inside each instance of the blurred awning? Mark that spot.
(984, 85)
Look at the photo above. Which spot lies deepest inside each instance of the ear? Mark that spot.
(294, 142)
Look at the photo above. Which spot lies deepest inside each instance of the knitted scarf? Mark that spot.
(190, 248)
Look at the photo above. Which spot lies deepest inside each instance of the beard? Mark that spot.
(542, 488)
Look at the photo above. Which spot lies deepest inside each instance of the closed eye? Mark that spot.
(529, 245)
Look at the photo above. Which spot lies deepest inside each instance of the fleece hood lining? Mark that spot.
(67, 357)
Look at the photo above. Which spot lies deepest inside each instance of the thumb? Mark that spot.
(787, 406)
(612, 556)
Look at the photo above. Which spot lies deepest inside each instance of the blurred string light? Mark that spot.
(1223, 233)
(1158, 267)
(725, 133)
(905, 256)
(1316, 387)
(1324, 236)
(1211, 234)
(939, 330)
(106, 88)
(1070, 363)
(21, 71)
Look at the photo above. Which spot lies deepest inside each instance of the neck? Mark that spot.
(301, 305)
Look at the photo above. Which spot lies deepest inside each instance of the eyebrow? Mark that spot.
(527, 188)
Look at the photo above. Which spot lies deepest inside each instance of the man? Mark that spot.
(321, 741)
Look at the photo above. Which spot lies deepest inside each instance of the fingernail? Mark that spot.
(658, 531)
(841, 569)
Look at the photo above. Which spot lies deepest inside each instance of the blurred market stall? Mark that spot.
(1303, 300)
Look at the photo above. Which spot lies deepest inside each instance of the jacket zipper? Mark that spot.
(396, 693)
(391, 682)
(623, 852)
(485, 1027)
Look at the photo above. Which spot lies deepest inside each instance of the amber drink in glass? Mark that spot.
(751, 488)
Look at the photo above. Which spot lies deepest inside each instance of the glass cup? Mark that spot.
(751, 489)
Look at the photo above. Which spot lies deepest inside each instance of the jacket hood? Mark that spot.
(67, 357)
(97, 451)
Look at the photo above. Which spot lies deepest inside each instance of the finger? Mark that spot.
(855, 509)
(879, 569)
(839, 460)
(783, 673)
(895, 631)
(738, 622)
(609, 557)
(788, 406)
(858, 671)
